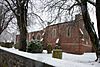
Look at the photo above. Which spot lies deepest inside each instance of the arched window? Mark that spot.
(68, 32)
(54, 33)
(38, 36)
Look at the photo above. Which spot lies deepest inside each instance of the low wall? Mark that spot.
(8, 59)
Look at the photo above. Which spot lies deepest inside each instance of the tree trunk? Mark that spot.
(98, 23)
(22, 24)
(0, 30)
(23, 34)
(98, 16)
(89, 26)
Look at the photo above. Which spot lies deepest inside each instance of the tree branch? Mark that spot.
(11, 7)
(38, 17)
(7, 22)
(75, 4)
(52, 5)
(93, 3)
(13, 2)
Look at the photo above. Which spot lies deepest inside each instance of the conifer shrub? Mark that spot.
(35, 46)
(49, 48)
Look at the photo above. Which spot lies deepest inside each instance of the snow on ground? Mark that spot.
(68, 60)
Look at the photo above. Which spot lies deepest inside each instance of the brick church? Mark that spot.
(72, 35)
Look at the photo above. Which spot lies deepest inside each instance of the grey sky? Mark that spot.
(35, 25)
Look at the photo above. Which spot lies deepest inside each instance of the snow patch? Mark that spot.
(41, 39)
(81, 31)
(82, 39)
(43, 34)
(57, 40)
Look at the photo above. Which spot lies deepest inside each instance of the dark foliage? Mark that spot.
(35, 47)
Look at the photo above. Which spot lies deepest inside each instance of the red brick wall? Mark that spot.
(72, 43)
(36, 34)
(68, 43)
(71, 38)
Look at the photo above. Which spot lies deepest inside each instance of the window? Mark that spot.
(38, 36)
(54, 33)
(68, 32)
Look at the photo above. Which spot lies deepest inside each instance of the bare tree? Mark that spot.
(5, 16)
(61, 9)
(19, 9)
(89, 27)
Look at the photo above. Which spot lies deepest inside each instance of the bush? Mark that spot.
(7, 44)
(49, 48)
(35, 47)
(17, 46)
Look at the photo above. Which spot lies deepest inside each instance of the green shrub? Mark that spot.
(17, 45)
(49, 48)
(35, 47)
(7, 44)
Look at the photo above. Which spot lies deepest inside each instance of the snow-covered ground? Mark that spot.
(68, 60)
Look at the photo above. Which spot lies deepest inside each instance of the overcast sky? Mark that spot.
(37, 26)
